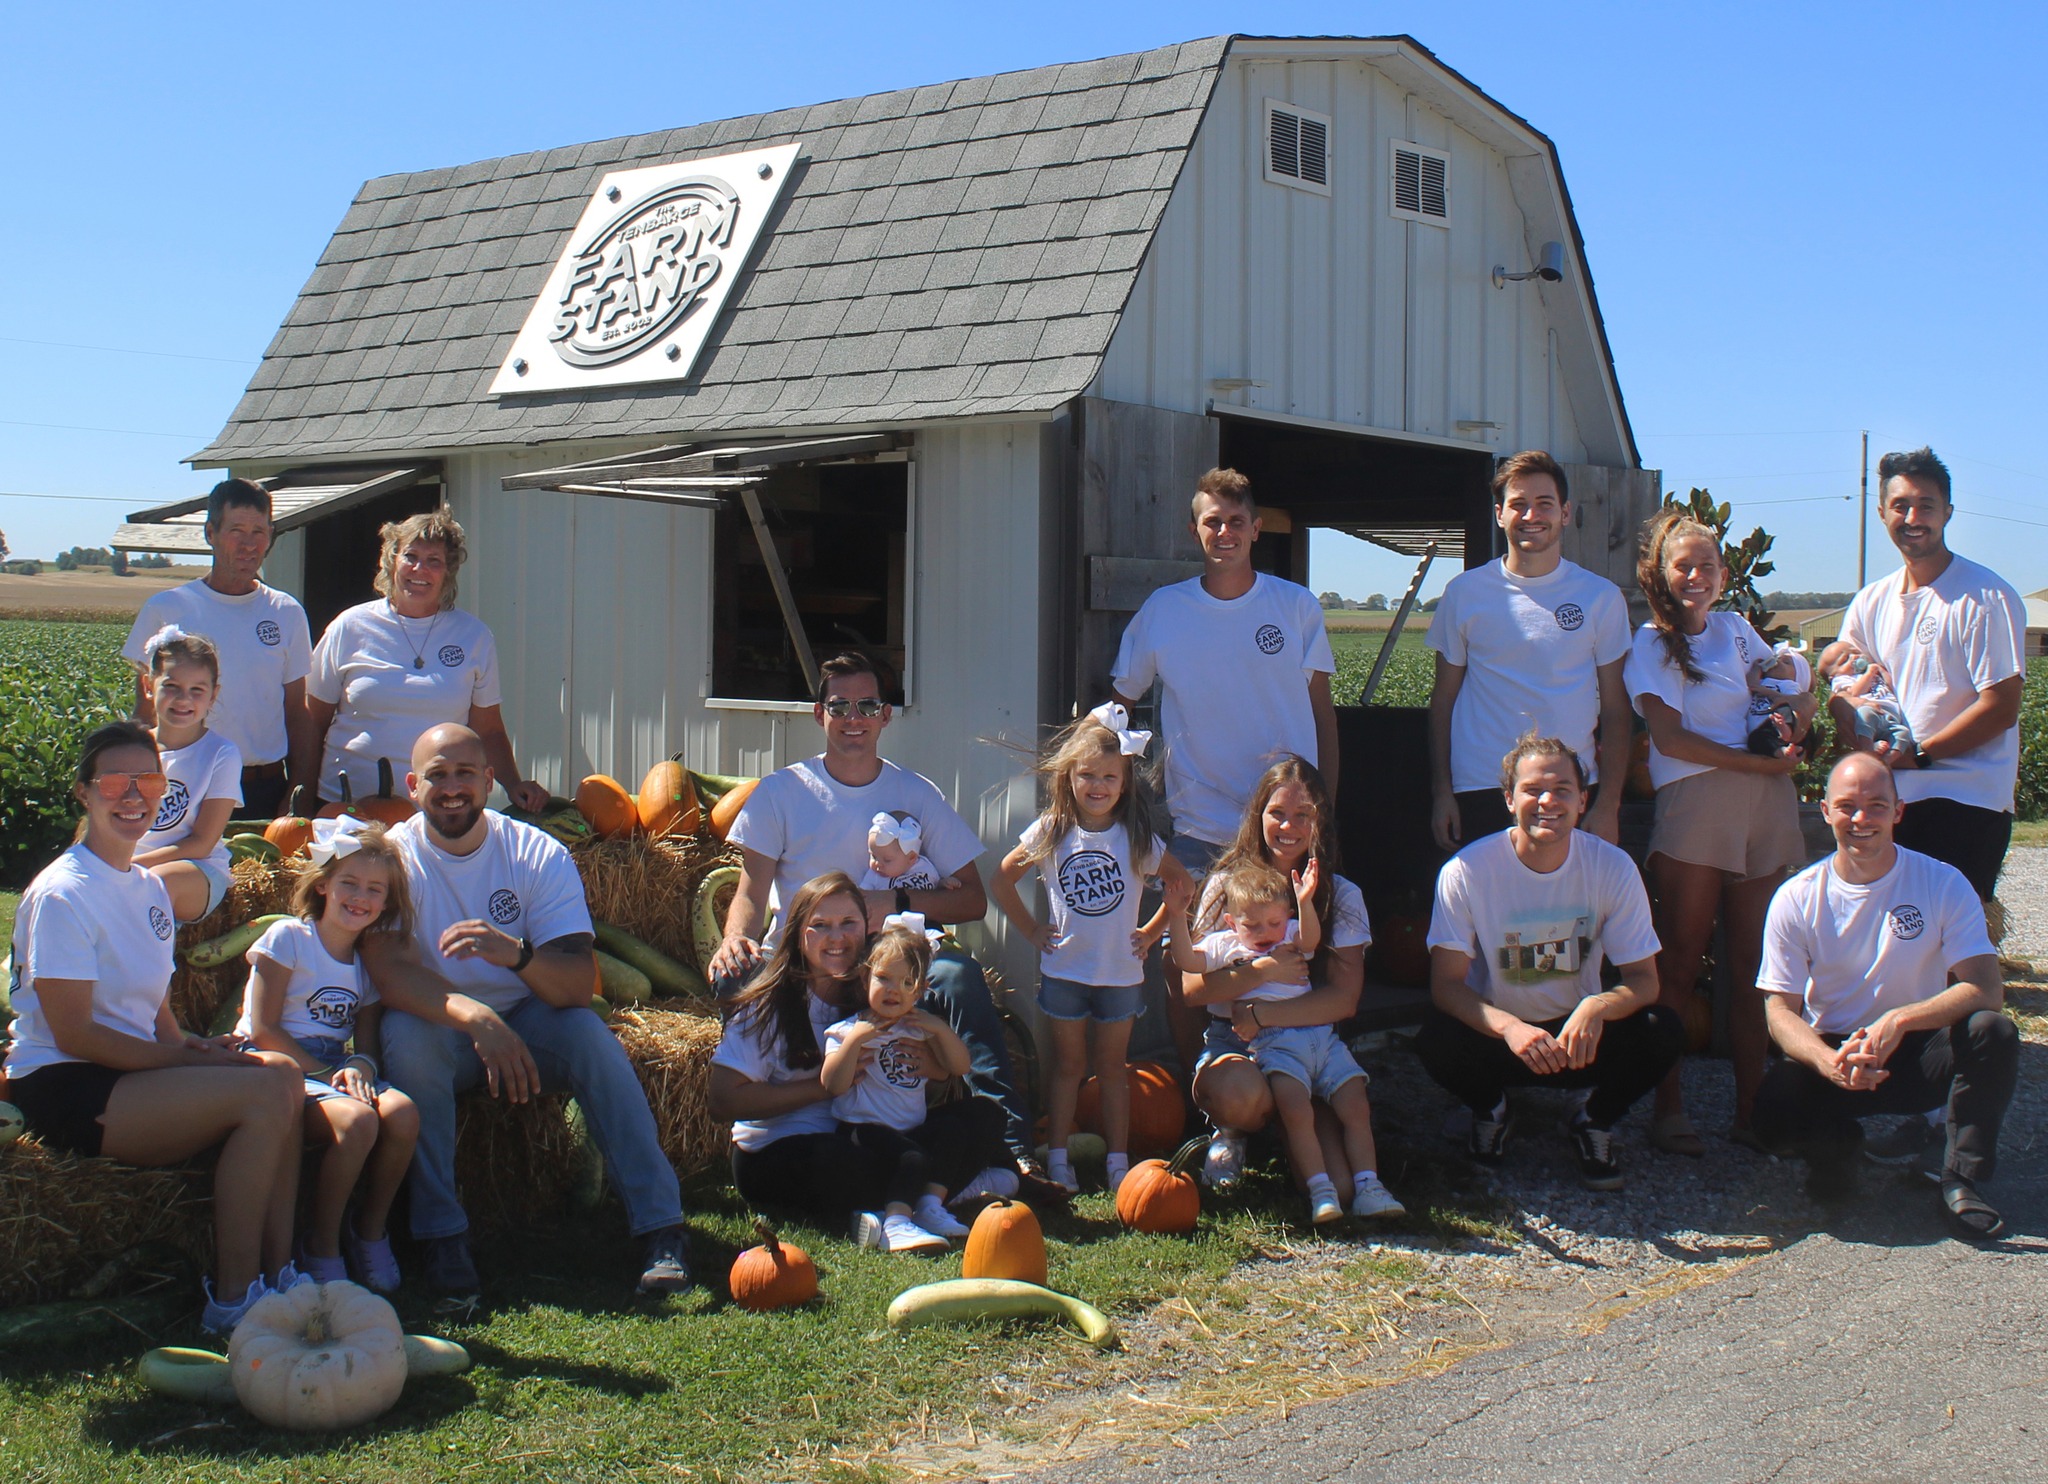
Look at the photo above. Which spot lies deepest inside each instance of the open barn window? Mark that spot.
(841, 537)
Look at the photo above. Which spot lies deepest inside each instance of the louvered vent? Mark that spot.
(1297, 147)
(1421, 183)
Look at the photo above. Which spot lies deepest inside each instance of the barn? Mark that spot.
(935, 370)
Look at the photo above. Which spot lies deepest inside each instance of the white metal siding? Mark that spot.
(1342, 310)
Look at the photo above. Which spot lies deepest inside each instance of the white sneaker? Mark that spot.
(218, 1318)
(1224, 1163)
(1374, 1199)
(1061, 1171)
(1114, 1169)
(993, 1181)
(934, 1218)
(901, 1234)
(1323, 1207)
(867, 1231)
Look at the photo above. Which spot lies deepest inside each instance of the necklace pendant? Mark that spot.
(419, 662)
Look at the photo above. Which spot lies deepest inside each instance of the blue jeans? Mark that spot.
(957, 991)
(577, 1054)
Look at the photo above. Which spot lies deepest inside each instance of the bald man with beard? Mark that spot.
(493, 988)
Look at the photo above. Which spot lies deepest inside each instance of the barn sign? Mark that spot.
(642, 278)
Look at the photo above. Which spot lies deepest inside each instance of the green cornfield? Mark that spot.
(57, 682)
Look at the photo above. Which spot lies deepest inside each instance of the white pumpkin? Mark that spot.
(322, 1356)
(11, 1125)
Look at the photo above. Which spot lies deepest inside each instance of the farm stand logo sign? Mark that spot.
(643, 276)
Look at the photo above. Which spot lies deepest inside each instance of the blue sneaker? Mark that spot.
(220, 1319)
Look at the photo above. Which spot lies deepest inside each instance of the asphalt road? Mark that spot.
(1878, 1351)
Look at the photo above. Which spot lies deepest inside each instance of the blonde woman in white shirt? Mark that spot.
(387, 671)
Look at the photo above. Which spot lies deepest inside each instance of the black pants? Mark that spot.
(262, 793)
(956, 1142)
(1478, 1069)
(823, 1175)
(1970, 1067)
(1970, 838)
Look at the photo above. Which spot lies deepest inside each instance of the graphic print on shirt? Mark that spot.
(1907, 920)
(897, 1064)
(268, 633)
(451, 655)
(177, 799)
(334, 1007)
(1091, 882)
(160, 922)
(1270, 638)
(1569, 616)
(1535, 948)
(1926, 629)
(504, 906)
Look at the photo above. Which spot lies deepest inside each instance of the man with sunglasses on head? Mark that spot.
(813, 816)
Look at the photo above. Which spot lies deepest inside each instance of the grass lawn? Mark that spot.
(2032, 833)
(9, 900)
(575, 1380)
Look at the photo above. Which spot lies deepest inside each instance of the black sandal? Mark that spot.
(1972, 1217)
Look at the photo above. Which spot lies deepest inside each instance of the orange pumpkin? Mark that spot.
(1160, 1195)
(383, 807)
(668, 801)
(773, 1275)
(727, 809)
(1158, 1116)
(1005, 1242)
(606, 804)
(290, 834)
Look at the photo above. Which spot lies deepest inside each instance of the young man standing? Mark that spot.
(1951, 636)
(1529, 641)
(265, 650)
(1244, 667)
(1522, 921)
(1882, 989)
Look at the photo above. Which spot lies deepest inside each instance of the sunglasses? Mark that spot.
(114, 787)
(839, 708)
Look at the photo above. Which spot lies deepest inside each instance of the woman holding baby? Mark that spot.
(1727, 822)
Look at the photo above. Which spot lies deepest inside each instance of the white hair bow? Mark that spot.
(170, 633)
(888, 829)
(335, 839)
(1802, 670)
(914, 921)
(1118, 720)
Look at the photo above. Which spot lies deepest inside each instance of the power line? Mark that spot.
(10, 422)
(129, 350)
(32, 495)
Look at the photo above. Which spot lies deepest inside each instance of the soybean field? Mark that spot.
(57, 682)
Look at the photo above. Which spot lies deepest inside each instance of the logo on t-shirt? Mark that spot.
(1926, 629)
(1092, 882)
(177, 799)
(160, 922)
(269, 633)
(334, 1007)
(1907, 921)
(504, 906)
(1570, 616)
(1270, 638)
(451, 655)
(898, 1064)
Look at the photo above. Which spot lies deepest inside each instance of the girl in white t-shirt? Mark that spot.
(308, 998)
(202, 774)
(1094, 847)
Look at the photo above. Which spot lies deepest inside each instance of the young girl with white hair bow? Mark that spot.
(1094, 846)
(310, 1004)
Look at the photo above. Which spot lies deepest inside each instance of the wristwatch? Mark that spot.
(1920, 757)
(525, 954)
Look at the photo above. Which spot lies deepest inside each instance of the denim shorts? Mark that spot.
(1197, 855)
(217, 882)
(1105, 1004)
(1219, 1040)
(1311, 1054)
(332, 1050)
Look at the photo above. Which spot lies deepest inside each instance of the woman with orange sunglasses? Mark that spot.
(99, 1066)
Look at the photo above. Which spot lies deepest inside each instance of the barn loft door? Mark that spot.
(1609, 507)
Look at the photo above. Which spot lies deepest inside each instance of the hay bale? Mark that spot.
(513, 1161)
(649, 887)
(62, 1218)
(197, 995)
(672, 1053)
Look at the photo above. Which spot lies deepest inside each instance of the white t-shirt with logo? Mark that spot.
(1092, 894)
(1223, 948)
(1531, 648)
(920, 877)
(1941, 645)
(263, 644)
(1536, 938)
(82, 919)
(888, 1089)
(389, 679)
(1849, 953)
(209, 768)
(747, 1046)
(1721, 707)
(808, 823)
(1348, 927)
(1234, 678)
(519, 880)
(323, 996)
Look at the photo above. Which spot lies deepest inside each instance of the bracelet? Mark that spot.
(525, 954)
(1257, 1019)
(369, 1067)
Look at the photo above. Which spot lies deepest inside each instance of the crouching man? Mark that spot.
(1859, 953)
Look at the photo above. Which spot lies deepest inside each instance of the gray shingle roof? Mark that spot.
(946, 251)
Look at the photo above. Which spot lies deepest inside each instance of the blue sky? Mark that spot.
(1803, 220)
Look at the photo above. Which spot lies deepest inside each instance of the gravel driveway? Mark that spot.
(2023, 889)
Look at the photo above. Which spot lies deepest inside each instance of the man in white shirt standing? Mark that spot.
(1951, 636)
(1244, 668)
(1529, 641)
(265, 649)
(493, 987)
(1882, 990)
(1522, 921)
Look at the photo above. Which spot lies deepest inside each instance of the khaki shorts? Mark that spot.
(1746, 824)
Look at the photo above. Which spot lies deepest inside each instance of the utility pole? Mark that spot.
(1863, 514)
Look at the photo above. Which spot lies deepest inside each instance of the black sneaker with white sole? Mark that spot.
(1488, 1140)
(1598, 1167)
(1902, 1146)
